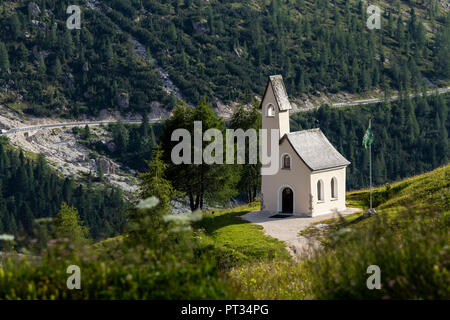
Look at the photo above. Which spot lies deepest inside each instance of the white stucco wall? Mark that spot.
(303, 183)
(297, 178)
(328, 204)
(280, 120)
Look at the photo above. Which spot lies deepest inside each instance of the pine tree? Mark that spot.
(16, 27)
(109, 53)
(87, 132)
(26, 218)
(4, 59)
(68, 45)
(214, 182)
(172, 33)
(172, 100)
(42, 68)
(212, 25)
(22, 52)
(154, 183)
(121, 137)
(53, 35)
(57, 69)
(301, 84)
(390, 24)
(150, 61)
(250, 178)
(67, 224)
(100, 172)
(442, 52)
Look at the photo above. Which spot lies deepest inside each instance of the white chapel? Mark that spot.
(311, 177)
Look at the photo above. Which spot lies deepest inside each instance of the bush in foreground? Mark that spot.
(411, 248)
(153, 265)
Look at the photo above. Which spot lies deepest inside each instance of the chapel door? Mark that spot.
(287, 201)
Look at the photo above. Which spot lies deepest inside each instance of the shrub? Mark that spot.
(154, 265)
(411, 250)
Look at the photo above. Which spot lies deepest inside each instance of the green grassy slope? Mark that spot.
(426, 191)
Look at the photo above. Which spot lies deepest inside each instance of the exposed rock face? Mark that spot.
(369, 213)
(107, 165)
(179, 207)
(41, 26)
(34, 9)
(123, 100)
(158, 112)
(38, 54)
(111, 146)
(69, 81)
(104, 114)
(85, 67)
(200, 27)
(239, 52)
(87, 95)
(63, 152)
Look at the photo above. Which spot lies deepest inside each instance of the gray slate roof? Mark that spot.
(280, 93)
(315, 150)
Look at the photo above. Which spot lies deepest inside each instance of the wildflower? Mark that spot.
(6, 237)
(148, 203)
(343, 230)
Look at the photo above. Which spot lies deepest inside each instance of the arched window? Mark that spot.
(286, 163)
(320, 191)
(270, 110)
(334, 188)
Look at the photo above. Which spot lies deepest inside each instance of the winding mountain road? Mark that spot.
(97, 123)
(392, 98)
(70, 124)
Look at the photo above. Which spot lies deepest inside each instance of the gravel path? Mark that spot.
(287, 229)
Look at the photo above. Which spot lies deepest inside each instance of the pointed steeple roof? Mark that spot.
(279, 91)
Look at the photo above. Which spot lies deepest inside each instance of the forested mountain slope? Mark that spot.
(228, 48)
(217, 49)
(30, 190)
(47, 69)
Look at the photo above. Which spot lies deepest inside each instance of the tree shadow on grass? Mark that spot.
(212, 222)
